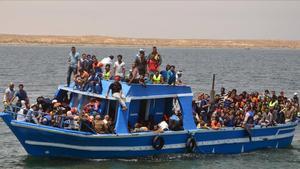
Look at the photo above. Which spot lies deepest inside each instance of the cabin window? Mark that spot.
(74, 99)
(139, 112)
(63, 96)
(111, 109)
(151, 112)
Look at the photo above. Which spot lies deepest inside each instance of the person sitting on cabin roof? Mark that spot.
(148, 79)
(94, 83)
(107, 73)
(142, 81)
(99, 125)
(157, 78)
(81, 79)
(97, 66)
(83, 62)
(89, 64)
(135, 76)
(172, 75)
(165, 74)
(116, 89)
(119, 68)
(179, 77)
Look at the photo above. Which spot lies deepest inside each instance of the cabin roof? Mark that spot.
(137, 91)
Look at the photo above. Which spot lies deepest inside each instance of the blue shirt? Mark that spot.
(171, 76)
(203, 103)
(21, 94)
(164, 74)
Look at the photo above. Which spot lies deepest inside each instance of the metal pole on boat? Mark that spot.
(212, 92)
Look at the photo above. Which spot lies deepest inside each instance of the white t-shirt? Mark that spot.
(20, 115)
(10, 93)
(106, 61)
(119, 68)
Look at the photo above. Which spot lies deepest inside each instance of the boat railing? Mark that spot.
(14, 112)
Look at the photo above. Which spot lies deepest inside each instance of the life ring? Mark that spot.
(158, 142)
(191, 144)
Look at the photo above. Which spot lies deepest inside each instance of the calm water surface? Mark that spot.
(42, 68)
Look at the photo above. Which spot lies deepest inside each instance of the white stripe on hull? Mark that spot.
(168, 146)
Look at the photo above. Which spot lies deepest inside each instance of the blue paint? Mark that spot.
(40, 140)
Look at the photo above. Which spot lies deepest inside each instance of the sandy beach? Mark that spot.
(124, 41)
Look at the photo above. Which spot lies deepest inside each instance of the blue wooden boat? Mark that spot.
(153, 100)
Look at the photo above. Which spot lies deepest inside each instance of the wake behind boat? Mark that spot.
(141, 119)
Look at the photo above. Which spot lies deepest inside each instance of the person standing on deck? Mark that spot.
(22, 95)
(9, 96)
(119, 68)
(73, 62)
(135, 76)
(116, 90)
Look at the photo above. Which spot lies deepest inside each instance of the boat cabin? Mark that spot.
(143, 103)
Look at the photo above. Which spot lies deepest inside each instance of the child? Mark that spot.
(107, 73)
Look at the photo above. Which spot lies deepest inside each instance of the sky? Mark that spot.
(190, 19)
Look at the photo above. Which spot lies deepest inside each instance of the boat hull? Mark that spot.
(39, 140)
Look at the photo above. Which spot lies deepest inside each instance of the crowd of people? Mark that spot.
(239, 110)
(88, 71)
(227, 109)
(51, 112)
(224, 110)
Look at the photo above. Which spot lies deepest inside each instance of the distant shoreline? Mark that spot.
(7, 39)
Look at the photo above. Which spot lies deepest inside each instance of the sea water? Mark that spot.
(42, 68)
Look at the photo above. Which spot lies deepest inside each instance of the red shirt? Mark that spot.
(152, 65)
